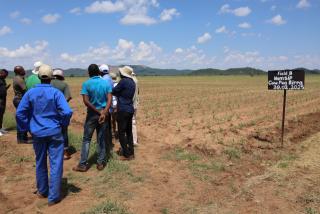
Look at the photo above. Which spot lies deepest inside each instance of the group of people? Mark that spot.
(42, 109)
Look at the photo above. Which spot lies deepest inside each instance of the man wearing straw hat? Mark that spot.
(124, 91)
(33, 79)
(43, 110)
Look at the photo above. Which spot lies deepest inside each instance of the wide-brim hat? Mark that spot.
(45, 72)
(126, 71)
(36, 66)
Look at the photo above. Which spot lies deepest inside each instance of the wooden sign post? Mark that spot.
(285, 80)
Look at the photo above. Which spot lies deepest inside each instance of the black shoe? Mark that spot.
(80, 168)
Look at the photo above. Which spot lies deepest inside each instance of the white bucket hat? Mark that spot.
(45, 72)
(36, 66)
(126, 71)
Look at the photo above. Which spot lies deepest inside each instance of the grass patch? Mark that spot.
(9, 121)
(310, 210)
(75, 140)
(232, 153)
(108, 207)
(23, 159)
(179, 154)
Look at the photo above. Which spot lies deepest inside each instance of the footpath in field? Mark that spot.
(167, 178)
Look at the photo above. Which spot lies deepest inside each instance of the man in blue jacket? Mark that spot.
(42, 111)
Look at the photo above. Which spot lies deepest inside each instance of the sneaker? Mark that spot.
(66, 155)
(1, 134)
(3, 131)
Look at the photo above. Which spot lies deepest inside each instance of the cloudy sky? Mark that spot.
(183, 34)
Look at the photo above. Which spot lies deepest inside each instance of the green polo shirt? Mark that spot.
(32, 80)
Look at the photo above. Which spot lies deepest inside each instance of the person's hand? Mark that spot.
(102, 118)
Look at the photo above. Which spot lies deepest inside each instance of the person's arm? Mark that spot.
(22, 84)
(86, 101)
(23, 114)
(67, 93)
(105, 111)
(117, 89)
(64, 110)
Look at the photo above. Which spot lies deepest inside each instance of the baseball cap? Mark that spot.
(45, 72)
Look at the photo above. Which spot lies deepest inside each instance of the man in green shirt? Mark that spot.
(59, 83)
(33, 79)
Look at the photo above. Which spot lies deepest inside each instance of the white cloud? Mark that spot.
(135, 19)
(76, 11)
(244, 25)
(204, 38)
(105, 7)
(134, 11)
(51, 18)
(277, 20)
(5, 30)
(26, 21)
(241, 11)
(303, 4)
(222, 29)
(179, 50)
(168, 14)
(126, 52)
(24, 50)
(273, 7)
(15, 14)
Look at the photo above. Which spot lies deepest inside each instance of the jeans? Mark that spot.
(90, 125)
(124, 120)
(65, 137)
(22, 137)
(52, 145)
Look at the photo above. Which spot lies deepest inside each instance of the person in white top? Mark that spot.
(135, 106)
(113, 109)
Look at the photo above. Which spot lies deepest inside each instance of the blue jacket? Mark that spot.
(124, 91)
(43, 110)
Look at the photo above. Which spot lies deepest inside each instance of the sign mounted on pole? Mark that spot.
(285, 80)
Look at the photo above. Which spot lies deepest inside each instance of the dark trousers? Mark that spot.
(124, 120)
(22, 137)
(109, 144)
(65, 137)
(2, 110)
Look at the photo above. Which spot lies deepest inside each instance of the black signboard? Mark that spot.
(286, 80)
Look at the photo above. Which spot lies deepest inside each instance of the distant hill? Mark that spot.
(230, 71)
(142, 70)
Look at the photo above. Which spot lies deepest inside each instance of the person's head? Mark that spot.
(36, 67)
(45, 74)
(58, 74)
(19, 70)
(113, 76)
(126, 71)
(3, 73)
(93, 70)
(104, 69)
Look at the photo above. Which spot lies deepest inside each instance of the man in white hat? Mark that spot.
(33, 79)
(42, 111)
(59, 83)
(124, 91)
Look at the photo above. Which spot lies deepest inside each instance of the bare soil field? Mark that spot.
(206, 145)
